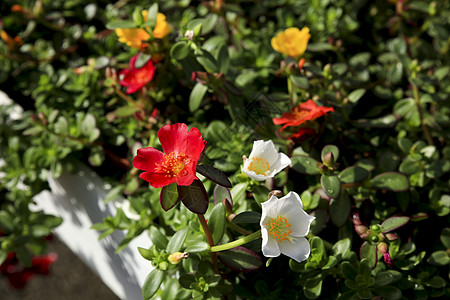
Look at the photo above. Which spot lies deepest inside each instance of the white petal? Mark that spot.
(269, 245)
(297, 249)
(253, 175)
(266, 150)
(269, 210)
(300, 223)
(282, 162)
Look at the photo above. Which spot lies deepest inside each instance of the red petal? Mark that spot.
(147, 158)
(194, 144)
(173, 138)
(157, 180)
(190, 176)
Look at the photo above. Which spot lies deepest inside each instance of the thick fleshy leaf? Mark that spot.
(369, 252)
(179, 50)
(330, 148)
(300, 81)
(222, 193)
(342, 247)
(331, 185)
(177, 240)
(196, 97)
(305, 165)
(353, 174)
(260, 193)
(197, 247)
(391, 181)
(247, 217)
(158, 238)
(152, 283)
(194, 197)
(340, 209)
(169, 196)
(313, 287)
(393, 223)
(214, 175)
(217, 222)
(240, 259)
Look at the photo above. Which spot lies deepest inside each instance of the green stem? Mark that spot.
(210, 240)
(292, 93)
(242, 241)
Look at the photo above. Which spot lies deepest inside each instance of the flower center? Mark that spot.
(173, 165)
(259, 165)
(300, 113)
(279, 229)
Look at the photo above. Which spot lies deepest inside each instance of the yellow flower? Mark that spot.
(292, 41)
(135, 37)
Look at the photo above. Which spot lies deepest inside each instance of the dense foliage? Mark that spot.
(372, 165)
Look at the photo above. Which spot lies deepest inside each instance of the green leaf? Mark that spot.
(341, 248)
(340, 209)
(177, 240)
(445, 237)
(319, 47)
(194, 197)
(152, 283)
(120, 24)
(214, 175)
(217, 222)
(355, 95)
(114, 193)
(260, 193)
(142, 60)
(3, 256)
(152, 14)
(353, 174)
(38, 231)
(348, 270)
(6, 222)
(366, 163)
(389, 292)
(126, 111)
(169, 196)
(138, 19)
(331, 185)
(24, 256)
(369, 252)
(393, 223)
(146, 253)
(222, 193)
(62, 126)
(313, 287)
(435, 282)
(197, 247)
(238, 192)
(305, 165)
(223, 59)
(158, 238)
(208, 62)
(196, 97)
(387, 277)
(391, 181)
(439, 258)
(247, 217)
(300, 81)
(330, 148)
(180, 50)
(240, 259)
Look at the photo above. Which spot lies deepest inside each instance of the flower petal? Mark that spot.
(173, 138)
(269, 246)
(298, 249)
(147, 158)
(157, 180)
(194, 144)
(282, 162)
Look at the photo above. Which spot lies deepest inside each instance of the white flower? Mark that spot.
(284, 225)
(264, 161)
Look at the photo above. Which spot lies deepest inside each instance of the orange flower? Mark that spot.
(136, 37)
(292, 41)
(307, 111)
(12, 43)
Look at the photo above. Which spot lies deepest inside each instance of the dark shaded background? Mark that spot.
(69, 279)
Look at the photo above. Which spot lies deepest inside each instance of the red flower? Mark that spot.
(304, 112)
(178, 163)
(303, 134)
(135, 79)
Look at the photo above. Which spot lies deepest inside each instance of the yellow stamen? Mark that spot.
(174, 165)
(279, 229)
(259, 165)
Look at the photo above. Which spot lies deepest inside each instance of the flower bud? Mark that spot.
(361, 229)
(328, 159)
(391, 236)
(177, 257)
(275, 193)
(375, 228)
(382, 247)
